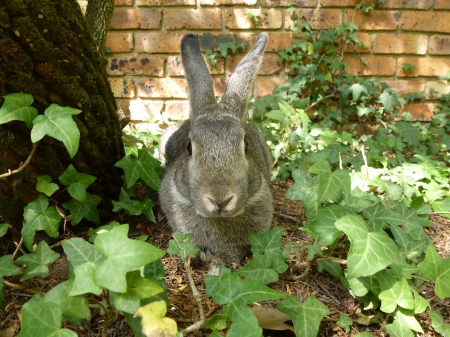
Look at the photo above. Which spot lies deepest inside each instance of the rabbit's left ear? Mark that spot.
(237, 94)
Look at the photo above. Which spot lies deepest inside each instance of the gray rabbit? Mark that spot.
(216, 181)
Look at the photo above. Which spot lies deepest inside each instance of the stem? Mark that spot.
(25, 164)
(332, 259)
(281, 215)
(20, 287)
(197, 325)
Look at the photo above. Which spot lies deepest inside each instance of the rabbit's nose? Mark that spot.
(220, 206)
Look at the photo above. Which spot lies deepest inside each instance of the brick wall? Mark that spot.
(147, 76)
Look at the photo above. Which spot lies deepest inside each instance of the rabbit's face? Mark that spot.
(218, 168)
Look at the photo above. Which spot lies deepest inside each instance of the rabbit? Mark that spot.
(216, 183)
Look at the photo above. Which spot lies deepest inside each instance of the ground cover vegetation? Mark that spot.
(368, 177)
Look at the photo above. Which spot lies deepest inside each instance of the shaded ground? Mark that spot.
(289, 215)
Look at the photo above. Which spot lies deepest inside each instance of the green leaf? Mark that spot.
(38, 216)
(369, 252)
(182, 244)
(86, 209)
(435, 268)
(268, 242)
(438, 324)
(37, 262)
(40, 318)
(399, 327)
(306, 316)
(3, 229)
(442, 205)
(243, 329)
(389, 100)
(154, 322)
(84, 280)
(57, 122)
(155, 271)
(394, 292)
(137, 288)
(145, 167)
(79, 252)
(324, 226)
(17, 107)
(76, 182)
(345, 323)
(408, 66)
(122, 254)
(7, 268)
(357, 89)
(216, 322)
(71, 306)
(45, 185)
(132, 207)
(258, 269)
(147, 209)
(304, 189)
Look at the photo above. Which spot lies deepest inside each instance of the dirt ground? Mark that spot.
(289, 215)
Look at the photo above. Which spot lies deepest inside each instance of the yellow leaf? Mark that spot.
(154, 324)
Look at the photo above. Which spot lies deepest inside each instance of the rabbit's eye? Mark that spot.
(245, 146)
(189, 148)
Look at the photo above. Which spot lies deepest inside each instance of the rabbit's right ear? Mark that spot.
(201, 92)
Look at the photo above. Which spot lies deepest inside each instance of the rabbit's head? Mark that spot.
(218, 147)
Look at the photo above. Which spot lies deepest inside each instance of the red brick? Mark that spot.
(426, 21)
(118, 3)
(435, 89)
(143, 110)
(424, 67)
(420, 111)
(271, 64)
(400, 44)
(193, 18)
(227, 2)
(339, 3)
(268, 19)
(158, 42)
(439, 45)
(162, 88)
(175, 66)
(405, 86)
(219, 85)
(119, 42)
(165, 2)
(212, 41)
(136, 65)
(318, 18)
(374, 20)
(122, 87)
(285, 3)
(177, 110)
(366, 44)
(265, 85)
(370, 65)
(136, 19)
(442, 4)
(279, 40)
(393, 4)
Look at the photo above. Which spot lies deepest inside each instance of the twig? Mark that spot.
(33, 150)
(281, 215)
(19, 245)
(434, 213)
(197, 325)
(23, 288)
(331, 259)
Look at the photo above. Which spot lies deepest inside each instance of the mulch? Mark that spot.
(300, 280)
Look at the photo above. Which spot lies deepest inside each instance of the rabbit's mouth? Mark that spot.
(213, 207)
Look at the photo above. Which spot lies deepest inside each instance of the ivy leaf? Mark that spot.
(216, 322)
(37, 262)
(3, 229)
(76, 182)
(147, 209)
(155, 271)
(40, 318)
(132, 207)
(84, 280)
(122, 254)
(57, 122)
(399, 327)
(7, 268)
(304, 189)
(243, 329)
(145, 167)
(331, 184)
(71, 306)
(84, 209)
(137, 288)
(17, 107)
(434, 267)
(438, 324)
(79, 252)
(39, 216)
(268, 242)
(324, 226)
(182, 244)
(369, 252)
(357, 89)
(45, 185)
(394, 292)
(258, 269)
(154, 322)
(388, 99)
(306, 316)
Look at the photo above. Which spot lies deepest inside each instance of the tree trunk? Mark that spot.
(46, 50)
(98, 17)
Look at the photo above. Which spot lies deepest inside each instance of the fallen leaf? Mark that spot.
(271, 318)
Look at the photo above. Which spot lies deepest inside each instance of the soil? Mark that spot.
(299, 280)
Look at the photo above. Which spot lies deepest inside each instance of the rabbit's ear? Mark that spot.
(237, 94)
(201, 92)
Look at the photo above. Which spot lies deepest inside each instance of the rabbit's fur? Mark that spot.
(216, 181)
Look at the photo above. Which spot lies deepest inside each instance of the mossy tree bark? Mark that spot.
(98, 17)
(46, 50)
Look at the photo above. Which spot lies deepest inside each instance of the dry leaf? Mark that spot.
(271, 318)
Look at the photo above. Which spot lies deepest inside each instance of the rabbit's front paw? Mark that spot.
(224, 259)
